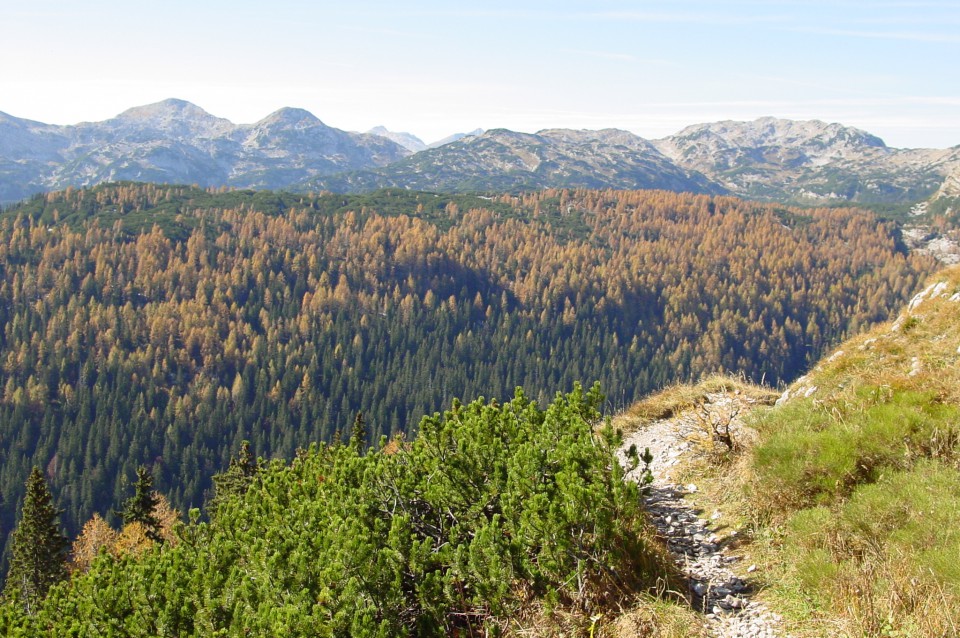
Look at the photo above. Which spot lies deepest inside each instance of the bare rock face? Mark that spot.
(942, 246)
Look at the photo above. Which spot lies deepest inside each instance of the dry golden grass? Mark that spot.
(653, 618)
(682, 397)
(857, 481)
(649, 616)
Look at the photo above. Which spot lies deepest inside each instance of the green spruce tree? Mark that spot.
(236, 479)
(142, 506)
(39, 548)
(358, 434)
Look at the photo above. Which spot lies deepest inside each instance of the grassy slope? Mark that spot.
(857, 479)
(852, 487)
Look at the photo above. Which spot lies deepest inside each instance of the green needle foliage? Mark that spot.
(491, 510)
(236, 479)
(140, 507)
(38, 547)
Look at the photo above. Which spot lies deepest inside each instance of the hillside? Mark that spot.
(859, 464)
(163, 325)
(502, 160)
(835, 507)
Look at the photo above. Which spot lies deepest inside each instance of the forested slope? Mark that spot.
(163, 325)
(857, 478)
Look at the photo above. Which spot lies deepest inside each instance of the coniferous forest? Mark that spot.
(162, 326)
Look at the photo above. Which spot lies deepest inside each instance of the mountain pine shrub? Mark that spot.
(492, 509)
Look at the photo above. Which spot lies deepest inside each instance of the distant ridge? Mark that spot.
(808, 161)
(504, 160)
(407, 140)
(455, 137)
(174, 141)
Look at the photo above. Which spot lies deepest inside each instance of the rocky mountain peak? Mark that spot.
(174, 117)
(289, 117)
(165, 111)
(175, 141)
(771, 131)
(810, 161)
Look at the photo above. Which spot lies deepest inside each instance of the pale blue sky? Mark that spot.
(433, 68)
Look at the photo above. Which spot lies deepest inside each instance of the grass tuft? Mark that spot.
(885, 560)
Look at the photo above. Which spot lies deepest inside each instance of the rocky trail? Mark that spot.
(719, 584)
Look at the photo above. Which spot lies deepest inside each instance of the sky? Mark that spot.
(434, 68)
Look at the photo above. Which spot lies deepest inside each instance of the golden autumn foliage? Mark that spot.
(132, 540)
(98, 536)
(164, 324)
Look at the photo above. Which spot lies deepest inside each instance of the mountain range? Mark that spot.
(178, 142)
(503, 160)
(809, 161)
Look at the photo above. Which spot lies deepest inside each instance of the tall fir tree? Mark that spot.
(358, 434)
(142, 506)
(39, 547)
(236, 479)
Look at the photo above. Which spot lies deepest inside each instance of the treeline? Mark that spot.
(161, 325)
(494, 515)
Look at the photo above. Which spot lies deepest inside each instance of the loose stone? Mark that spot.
(722, 596)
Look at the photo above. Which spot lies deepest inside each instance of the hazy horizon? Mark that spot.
(426, 141)
(430, 69)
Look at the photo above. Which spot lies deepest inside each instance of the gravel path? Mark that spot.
(719, 586)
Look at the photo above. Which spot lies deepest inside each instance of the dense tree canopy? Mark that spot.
(163, 325)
